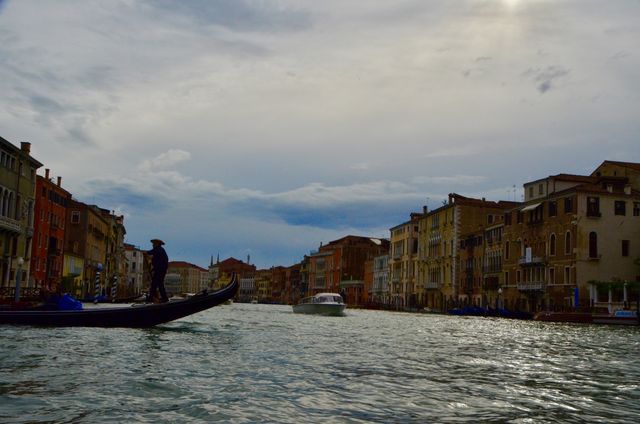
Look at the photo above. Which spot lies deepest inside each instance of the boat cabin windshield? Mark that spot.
(329, 299)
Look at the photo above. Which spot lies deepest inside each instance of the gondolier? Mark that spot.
(159, 265)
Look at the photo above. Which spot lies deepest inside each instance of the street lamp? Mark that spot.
(499, 293)
(20, 262)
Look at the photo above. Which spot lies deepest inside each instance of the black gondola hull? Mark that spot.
(135, 316)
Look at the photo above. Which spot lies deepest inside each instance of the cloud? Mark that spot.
(266, 127)
(165, 160)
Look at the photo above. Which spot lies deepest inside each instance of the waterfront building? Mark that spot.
(403, 265)
(72, 274)
(245, 272)
(247, 289)
(278, 283)
(573, 243)
(17, 201)
(263, 285)
(134, 273)
(492, 273)
(436, 263)
(380, 288)
(629, 170)
(339, 266)
(193, 278)
(86, 233)
(172, 284)
(440, 235)
(115, 259)
(470, 272)
(47, 253)
(292, 285)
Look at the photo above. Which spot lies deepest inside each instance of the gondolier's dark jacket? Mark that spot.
(160, 260)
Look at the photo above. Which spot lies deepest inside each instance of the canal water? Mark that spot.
(261, 363)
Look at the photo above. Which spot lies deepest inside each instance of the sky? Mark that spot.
(264, 128)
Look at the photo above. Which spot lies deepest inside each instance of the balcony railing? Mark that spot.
(535, 260)
(432, 285)
(10, 224)
(531, 286)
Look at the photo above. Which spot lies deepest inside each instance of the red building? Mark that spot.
(49, 232)
(339, 266)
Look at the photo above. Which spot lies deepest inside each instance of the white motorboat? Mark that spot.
(321, 304)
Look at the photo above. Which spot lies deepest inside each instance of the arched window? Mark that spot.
(506, 250)
(567, 243)
(552, 245)
(593, 244)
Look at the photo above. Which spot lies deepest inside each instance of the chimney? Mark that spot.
(425, 209)
(25, 147)
(59, 181)
(46, 173)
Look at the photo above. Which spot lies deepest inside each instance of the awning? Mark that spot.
(530, 207)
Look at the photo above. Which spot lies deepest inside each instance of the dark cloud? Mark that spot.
(239, 15)
(45, 105)
(78, 135)
(361, 215)
(545, 78)
(113, 195)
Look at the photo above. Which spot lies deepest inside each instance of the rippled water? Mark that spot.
(261, 363)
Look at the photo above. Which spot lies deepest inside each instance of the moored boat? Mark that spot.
(620, 317)
(573, 317)
(134, 316)
(321, 304)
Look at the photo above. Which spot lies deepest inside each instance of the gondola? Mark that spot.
(134, 316)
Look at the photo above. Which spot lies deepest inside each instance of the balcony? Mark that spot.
(534, 260)
(531, 286)
(432, 285)
(9, 224)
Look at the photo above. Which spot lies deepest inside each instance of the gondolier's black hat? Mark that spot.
(153, 241)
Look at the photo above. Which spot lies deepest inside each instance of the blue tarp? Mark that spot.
(68, 303)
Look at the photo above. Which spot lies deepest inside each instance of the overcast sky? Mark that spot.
(263, 128)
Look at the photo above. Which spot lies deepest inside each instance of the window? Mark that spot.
(593, 206)
(506, 250)
(489, 219)
(75, 217)
(552, 275)
(567, 243)
(507, 218)
(519, 217)
(620, 207)
(568, 204)
(625, 248)
(506, 278)
(518, 276)
(567, 275)
(636, 208)
(540, 189)
(552, 245)
(553, 208)
(593, 245)
(530, 192)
